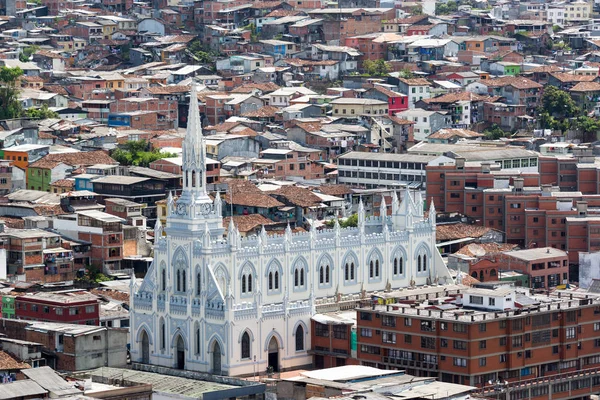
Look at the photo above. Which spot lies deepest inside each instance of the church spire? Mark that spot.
(194, 155)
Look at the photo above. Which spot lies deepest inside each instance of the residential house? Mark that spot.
(517, 91)
(347, 56)
(53, 167)
(425, 122)
(397, 102)
(349, 107)
(415, 88)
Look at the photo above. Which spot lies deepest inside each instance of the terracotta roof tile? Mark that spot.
(263, 112)
(454, 97)
(246, 223)
(517, 82)
(450, 133)
(74, 159)
(482, 249)
(586, 87)
(298, 196)
(168, 89)
(8, 363)
(247, 194)
(267, 87)
(415, 81)
(401, 121)
(67, 183)
(282, 13)
(334, 190)
(460, 231)
(565, 78)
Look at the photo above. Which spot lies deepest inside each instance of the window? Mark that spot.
(407, 322)
(460, 345)
(460, 362)
(322, 330)
(365, 316)
(73, 311)
(59, 311)
(388, 320)
(570, 333)
(340, 332)
(299, 338)
(482, 362)
(407, 339)
(427, 342)
(482, 344)
(90, 309)
(461, 328)
(245, 345)
(502, 358)
(365, 332)
(517, 341)
(398, 266)
(476, 299)
(34, 307)
(388, 337)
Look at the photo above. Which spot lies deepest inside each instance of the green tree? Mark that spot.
(41, 113)
(138, 153)
(28, 52)
(201, 53)
(376, 68)
(10, 106)
(494, 132)
(406, 73)
(557, 103)
(589, 128)
(350, 222)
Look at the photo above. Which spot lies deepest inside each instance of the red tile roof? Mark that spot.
(74, 159)
(246, 223)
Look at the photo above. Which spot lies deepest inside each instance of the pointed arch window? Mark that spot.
(419, 263)
(299, 338)
(198, 284)
(352, 271)
(162, 335)
(197, 340)
(245, 345)
(276, 280)
(249, 283)
(183, 285)
(327, 273)
(243, 283)
(163, 280)
(299, 275)
(347, 272)
(273, 277)
(178, 287)
(424, 262)
(270, 280)
(321, 275)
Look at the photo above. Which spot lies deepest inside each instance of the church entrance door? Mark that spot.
(145, 348)
(216, 359)
(180, 353)
(274, 354)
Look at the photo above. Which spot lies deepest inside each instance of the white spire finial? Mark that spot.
(383, 208)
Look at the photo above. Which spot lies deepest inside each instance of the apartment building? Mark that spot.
(36, 255)
(104, 231)
(69, 306)
(532, 214)
(475, 335)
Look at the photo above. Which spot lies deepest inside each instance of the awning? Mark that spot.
(451, 242)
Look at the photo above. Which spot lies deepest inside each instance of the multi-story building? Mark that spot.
(416, 89)
(373, 170)
(546, 267)
(476, 335)
(8, 306)
(104, 232)
(531, 213)
(36, 255)
(69, 306)
(331, 336)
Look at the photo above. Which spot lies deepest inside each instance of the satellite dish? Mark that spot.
(477, 250)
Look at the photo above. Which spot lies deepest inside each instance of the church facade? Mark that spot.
(215, 302)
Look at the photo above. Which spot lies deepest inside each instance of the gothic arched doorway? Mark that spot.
(180, 352)
(216, 359)
(145, 348)
(274, 354)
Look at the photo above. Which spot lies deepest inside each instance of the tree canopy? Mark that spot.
(138, 153)
(557, 103)
(41, 113)
(494, 132)
(376, 68)
(10, 106)
(447, 8)
(350, 222)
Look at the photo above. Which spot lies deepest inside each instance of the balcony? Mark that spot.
(411, 363)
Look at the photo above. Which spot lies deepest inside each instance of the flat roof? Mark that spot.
(362, 155)
(536, 254)
(347, 373)
(99, 215)
(20, 389)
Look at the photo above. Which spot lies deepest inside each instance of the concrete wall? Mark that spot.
(589, 268)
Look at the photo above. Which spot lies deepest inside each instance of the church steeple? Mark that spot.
(194, 156)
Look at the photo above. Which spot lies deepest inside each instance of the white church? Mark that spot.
(215, 302)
